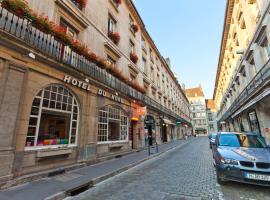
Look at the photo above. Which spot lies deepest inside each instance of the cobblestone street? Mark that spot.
(182, 173)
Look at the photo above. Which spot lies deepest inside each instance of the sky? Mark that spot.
(189, 33)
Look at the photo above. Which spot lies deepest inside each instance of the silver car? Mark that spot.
(241, 157)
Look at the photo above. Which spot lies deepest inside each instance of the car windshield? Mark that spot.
(241, 140)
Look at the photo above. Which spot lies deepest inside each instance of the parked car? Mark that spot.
(241, 157)
(212, 138)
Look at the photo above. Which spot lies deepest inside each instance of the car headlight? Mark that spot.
(229, 161)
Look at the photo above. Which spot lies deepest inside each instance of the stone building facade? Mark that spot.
(242, 81)
(211, 114)
(60, 110)
(198, 110)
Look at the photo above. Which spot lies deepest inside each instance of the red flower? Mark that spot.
(118, 2)
(134, 58)
(135, 27)
(82, 3)
(115, 37)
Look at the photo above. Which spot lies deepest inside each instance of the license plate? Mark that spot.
(257, 177)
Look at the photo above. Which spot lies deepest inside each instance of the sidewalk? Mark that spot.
(70, 183)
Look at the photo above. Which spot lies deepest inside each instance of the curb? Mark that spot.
(91, 183)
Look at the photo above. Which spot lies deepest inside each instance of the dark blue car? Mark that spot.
(241, 157)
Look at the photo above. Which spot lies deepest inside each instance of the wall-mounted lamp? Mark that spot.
(31, 55)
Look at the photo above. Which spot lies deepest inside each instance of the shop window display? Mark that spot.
(112, 125)
(53, 119)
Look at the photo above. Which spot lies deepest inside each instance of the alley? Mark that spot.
(183, 173)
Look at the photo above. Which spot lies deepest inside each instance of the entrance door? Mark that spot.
(164, 134)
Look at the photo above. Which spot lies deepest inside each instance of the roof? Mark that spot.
(210, 104)
(194, 92)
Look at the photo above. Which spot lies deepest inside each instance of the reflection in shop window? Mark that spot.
(112, 124)
(53, 119)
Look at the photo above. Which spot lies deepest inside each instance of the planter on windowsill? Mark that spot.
(117, 2)
(134, 58)
(115, 37)
(135, 28)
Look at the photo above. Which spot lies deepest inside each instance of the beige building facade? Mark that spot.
(242, 82)
(61, 109)
(198, 110)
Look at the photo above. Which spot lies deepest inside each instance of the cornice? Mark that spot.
(226, 29)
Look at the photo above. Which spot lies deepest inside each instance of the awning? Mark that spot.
(167, 121)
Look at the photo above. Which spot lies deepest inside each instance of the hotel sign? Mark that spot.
(114, 97)
(78, 83)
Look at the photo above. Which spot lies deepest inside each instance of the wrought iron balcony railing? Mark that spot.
(46, 44)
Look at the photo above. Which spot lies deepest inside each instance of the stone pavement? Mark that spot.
(59, 186)
(184, 173)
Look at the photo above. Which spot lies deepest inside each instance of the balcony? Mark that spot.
(254, 86)
(21, 31)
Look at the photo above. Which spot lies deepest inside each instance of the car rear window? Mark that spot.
(241, 140)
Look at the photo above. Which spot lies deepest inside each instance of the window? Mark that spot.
(131, 22)
(151, 54)
(54, 118)
(112, 124)
(158, 80)
(266, 46)
(78, 4)
(131, 46)
(72, 32)
(152, 72)
(144, 66)
(111, 24)
(111, 60)
(254, 123)
(132, 77)
(66, 53)
(143, 43)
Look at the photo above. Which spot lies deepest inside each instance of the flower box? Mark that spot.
(115, 37)
(117, 2)
(134, 58)
(134, 28)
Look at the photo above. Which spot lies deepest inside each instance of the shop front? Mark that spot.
(113, 123)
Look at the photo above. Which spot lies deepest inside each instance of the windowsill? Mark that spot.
(113, 142)
(48, 148)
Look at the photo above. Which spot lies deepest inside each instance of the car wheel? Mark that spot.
(220, 180)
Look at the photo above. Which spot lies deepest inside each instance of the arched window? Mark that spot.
(112, 124)
(54, 118)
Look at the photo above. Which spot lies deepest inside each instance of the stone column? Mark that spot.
(12, 79)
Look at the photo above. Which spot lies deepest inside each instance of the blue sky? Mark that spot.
(189, 32)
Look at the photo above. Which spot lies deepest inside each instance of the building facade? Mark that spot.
(211, 113)
(198, 110)
(64, 104)
(242, 82)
